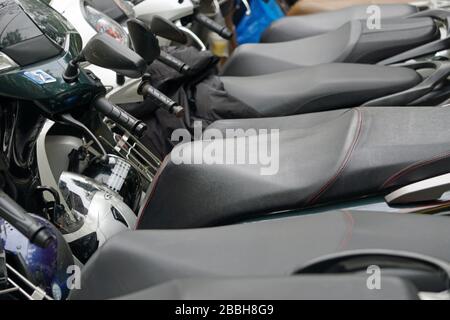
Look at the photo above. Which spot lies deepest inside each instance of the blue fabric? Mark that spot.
(264, 12)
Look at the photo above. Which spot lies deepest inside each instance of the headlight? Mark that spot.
(104, 24)
(6, 63)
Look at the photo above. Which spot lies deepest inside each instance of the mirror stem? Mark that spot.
(73, 69)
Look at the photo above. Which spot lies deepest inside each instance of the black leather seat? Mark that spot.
(324, 157)
(298, 27)
(353, 42)
(317, 88)
(134, 261)
(309, 287)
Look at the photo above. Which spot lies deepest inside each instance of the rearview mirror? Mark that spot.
(167, 29)
(103, 51)
(144, 41)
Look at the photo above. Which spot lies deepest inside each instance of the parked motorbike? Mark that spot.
(70, 156)
(299, 27)
(88, 21)
(344, 78)
(306, 7)
(109, 16)
(74, 160)
(205, 96)
(356, 42)
(321, 256)
(196, 18)
(159, 213)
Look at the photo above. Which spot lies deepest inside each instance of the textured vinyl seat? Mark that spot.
(318, 88)
(309, 287)
(299, 27)
(323, 158)
(353, 42)
(146, 260)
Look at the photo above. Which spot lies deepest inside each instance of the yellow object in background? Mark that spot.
(218, 45)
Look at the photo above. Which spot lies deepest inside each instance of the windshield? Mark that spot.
(26, 24)
(15, 26)
(53, 24)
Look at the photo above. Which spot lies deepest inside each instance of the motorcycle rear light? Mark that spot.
(104, 24)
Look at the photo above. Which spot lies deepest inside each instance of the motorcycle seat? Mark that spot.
(318, 88)
(322, 158)
(263, 249)
(353, 42)
(299, 27)
(305, 287)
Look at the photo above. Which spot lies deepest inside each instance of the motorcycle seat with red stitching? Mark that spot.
(324, 158)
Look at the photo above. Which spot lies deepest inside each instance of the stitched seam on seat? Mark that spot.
(413, 167)
(344, 164)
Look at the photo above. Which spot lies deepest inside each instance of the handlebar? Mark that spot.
(160, 99)
(117, 114)
(15, 215)
(174, 63)
(212, 25)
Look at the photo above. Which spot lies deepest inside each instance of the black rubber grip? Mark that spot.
(174, 63)
(123, 118)
(161, 100)
(17, 217)
(212, 25)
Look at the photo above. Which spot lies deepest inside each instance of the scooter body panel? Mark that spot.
(169, 9)
(43, 83)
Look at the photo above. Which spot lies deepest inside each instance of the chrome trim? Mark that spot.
(427, 190)
(130, 148)
(28, 290)
(194, 37)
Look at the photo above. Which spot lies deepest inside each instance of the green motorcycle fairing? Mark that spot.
(42, 81)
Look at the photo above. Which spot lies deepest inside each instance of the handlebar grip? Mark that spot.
(174, 63)
(123, 118)
(161, 100)
(15, 215)
(212, 25)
